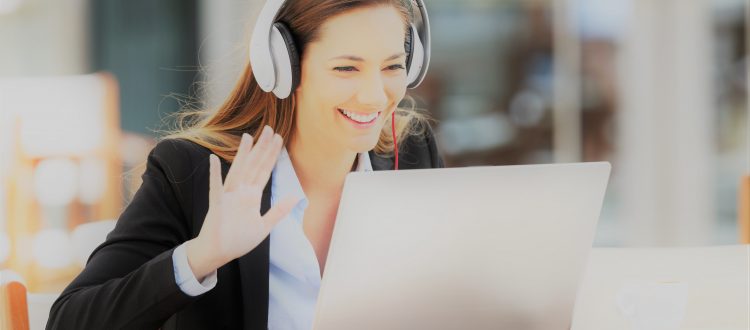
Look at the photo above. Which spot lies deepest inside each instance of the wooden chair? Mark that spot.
(77, 120)
(743, 213)
(15, 313)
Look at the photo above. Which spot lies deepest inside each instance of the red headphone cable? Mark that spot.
(395, 143)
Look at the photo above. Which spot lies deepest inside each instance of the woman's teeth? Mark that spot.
(360, 118)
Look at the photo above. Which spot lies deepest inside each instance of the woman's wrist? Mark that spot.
(199, 259)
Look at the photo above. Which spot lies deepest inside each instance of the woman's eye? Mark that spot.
(352, 69)
(345, 68)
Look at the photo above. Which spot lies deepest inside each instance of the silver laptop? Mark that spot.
(501, 247)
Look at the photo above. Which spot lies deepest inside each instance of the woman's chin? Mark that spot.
(363, 143)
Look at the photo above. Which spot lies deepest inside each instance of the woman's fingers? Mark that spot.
(253, 163)
(278, 212)
(266, 163)
(253, 160)
(235, 174)
(215, 188)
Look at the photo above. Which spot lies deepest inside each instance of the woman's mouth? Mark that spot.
(358, 119)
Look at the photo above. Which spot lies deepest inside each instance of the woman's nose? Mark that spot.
(372, 92)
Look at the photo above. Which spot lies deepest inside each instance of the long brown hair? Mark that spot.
(248, 107)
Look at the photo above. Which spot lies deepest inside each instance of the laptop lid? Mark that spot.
(499, 247)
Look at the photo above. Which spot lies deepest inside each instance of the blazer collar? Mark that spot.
(380, 163)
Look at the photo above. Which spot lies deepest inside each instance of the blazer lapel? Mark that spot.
(380, 163)
(254, 268)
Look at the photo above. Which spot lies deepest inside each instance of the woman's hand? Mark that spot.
(233, 225)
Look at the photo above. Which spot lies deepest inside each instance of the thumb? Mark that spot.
(279, 211)
(215, 187)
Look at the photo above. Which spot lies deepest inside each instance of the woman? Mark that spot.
(193, 250)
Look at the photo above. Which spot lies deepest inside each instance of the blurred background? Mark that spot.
(657, 88)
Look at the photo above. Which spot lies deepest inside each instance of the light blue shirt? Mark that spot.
(294, 273)
(294, 279)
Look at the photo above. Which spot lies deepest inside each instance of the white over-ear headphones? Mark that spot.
(276, 64)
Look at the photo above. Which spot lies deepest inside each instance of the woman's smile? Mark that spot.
(359, 119)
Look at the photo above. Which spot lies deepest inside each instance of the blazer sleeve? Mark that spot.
(128, 281)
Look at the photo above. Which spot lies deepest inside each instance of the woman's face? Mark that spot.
(357, 67)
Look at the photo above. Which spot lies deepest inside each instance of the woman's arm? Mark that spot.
(129, 280)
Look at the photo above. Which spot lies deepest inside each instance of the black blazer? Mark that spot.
(129, 282)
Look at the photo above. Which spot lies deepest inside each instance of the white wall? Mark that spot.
(44, 37)
(665, 126)
(224, 37)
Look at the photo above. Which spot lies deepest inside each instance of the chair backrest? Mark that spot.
(743, 209)
(15, 307)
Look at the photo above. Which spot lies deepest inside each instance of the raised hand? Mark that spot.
(233, 225)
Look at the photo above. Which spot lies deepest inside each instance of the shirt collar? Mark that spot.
(286, 183)
(363, 162)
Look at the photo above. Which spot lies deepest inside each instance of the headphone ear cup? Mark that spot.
(408, 47)
(415, 60)
(291, 47)
(285, 60)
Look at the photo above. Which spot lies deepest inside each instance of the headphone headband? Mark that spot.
(260, 44)
(426, 42)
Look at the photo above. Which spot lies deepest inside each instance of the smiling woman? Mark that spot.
(232, 224)
(339, 56)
